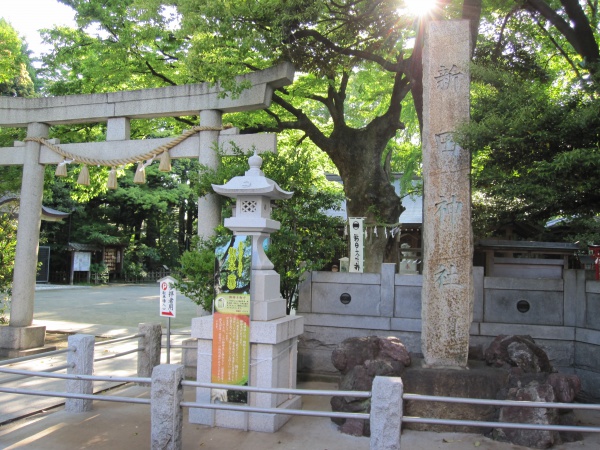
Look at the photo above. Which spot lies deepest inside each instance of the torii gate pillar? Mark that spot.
(208, 206)
(20, 334)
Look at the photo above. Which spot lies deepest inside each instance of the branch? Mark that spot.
(471, 11)
(368, 56)
(586, 39)
(498, 48)
(400, 89)
(581, 36)
(335, 103)
(186, 121)
(316, 98)
(388, 123)
(303, 123)
(166, 55)
(159, 75)
(560, 49)
(415, 70)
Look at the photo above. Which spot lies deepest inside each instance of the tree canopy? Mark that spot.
(356, 62)
(356, 97)
(15, 65)
(535, 129)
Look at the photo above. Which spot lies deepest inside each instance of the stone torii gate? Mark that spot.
(116, 109)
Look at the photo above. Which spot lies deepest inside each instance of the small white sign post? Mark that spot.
(167, 303)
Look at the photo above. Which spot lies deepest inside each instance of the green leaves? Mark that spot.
(8, 243)
(15, 66)
(11, 55)
(534, 137)
(118, 46)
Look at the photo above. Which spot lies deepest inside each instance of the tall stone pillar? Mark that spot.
(20, 335)
(447, 295)
(209, 213)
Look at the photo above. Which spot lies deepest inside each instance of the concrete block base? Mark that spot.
(9, 353)
(268, 309)
(189, 358)
(480, 381)
(273, 364)
(239, 420)
(22, 338)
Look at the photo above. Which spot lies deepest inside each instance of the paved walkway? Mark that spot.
(124, 305)
(125, 426)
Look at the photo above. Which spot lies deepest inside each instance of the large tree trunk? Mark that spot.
(358, 155)
(369, 192)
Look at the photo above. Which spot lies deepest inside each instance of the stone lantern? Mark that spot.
(273, 334)
(253, 193)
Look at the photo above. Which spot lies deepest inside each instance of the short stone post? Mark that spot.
(81, 360)
(149, 343)
(386, 413)
(166, 413)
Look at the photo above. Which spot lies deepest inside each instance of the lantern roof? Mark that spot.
(253, 182)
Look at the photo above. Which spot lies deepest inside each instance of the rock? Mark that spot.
(354, 427)
(523, 357)
(518, 351)
(566, 387)
(355, 351)
(541, 416)
(568, 418)
(381, 368)
(357, 379)
(350, 404)
(532, 378)
(391, 348)
(360, 360)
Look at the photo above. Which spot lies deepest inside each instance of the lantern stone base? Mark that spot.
(22, 341)
(273, 364)
(265, 286)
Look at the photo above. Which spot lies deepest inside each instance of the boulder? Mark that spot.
(360, 360)
(534, 392)
(532, 378)
(355, 351)
(566, 387)
(355, 427)
(518, 351)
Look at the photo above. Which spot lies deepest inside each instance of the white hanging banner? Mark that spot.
(356, 244)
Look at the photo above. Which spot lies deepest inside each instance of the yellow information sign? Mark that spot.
(231, 339)
(231, 316)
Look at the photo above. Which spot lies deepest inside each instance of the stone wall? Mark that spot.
(560, 314)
